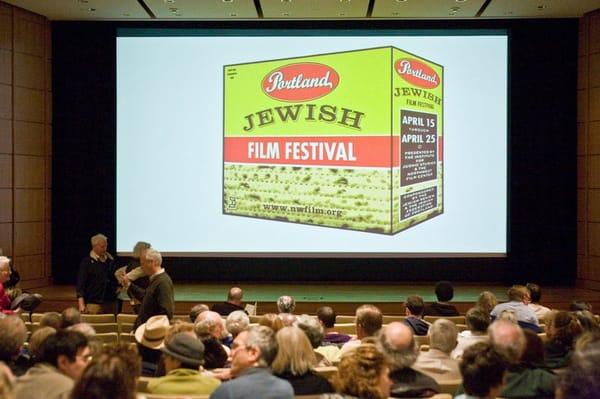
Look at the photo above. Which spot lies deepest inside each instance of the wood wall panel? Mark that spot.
(593, 166)
(30, 138)
(594, 66)
(30, 267)
(582, 42)
(29, 205)
(593, 268)
(6, 31)
(5, 101)
(29, 71)
(29, 105)
(594, 205)
(594, 33)
(5, 136)
(581, 172)
(581, 249)
(29, 171)
(594, 239)
(582, 76)
(593, 138)
(28, 37)
(5, 67)
(581, 205)
(25, 142)
(29, 238)
(582, 141)
(6, 232)
(594, 100)
(582, 99)
(6, 209)
(5, 171)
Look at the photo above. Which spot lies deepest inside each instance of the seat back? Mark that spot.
(454, 319)
(98, 318)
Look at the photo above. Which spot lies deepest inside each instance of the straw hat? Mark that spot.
(152, 333)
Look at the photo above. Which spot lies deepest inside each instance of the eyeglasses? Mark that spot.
(86, 358)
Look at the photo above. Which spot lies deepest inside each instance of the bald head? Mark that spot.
(235, 295)
(396, 341)
(507, 338)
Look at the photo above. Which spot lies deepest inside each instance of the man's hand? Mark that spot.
(81, 304)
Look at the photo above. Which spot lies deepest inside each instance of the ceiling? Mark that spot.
(186, 10)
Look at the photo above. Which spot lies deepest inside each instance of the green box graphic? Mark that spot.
(350, 140)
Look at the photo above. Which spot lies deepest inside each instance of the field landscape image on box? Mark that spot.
(350, 140)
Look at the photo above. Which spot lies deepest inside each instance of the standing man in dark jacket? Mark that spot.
(159, 297)
(96, 284)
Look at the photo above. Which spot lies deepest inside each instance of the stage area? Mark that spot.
(343, 297)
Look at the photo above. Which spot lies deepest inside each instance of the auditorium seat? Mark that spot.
(98, 318)
(107, 338)
(450, 386)
(105, 327)
(126, 338)
(125, 328)
(390, 319)
(461, 327)
(35, 317)
(454, 319)
(126, 318)
(157, 396)
(424, 348)
(345, 328)
(326, 371)
(441, 396)
(254, 318)
(182, 317)
(345, 319)
(422, 340)
(142, 383)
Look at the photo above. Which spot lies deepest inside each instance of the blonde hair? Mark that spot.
(295, 352)
(359, 372)
(271, 320)
(179, 326)
(37, 339)
(487, 301)
(7, 382)
(97, 239)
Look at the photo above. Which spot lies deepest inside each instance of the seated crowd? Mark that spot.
(517, 349)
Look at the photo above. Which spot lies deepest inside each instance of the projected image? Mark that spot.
(350, 140)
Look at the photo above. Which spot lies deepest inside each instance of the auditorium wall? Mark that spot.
(26, 143)
(588, 152)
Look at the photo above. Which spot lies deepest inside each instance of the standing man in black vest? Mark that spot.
(158, 298)
(96, 284)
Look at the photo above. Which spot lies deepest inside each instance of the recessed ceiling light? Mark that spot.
(395, 13)
(285, 14)
(542, 6)
(169, 1)
(91, 9)
(286, 1)
(401, 1)
(460, 1)
(232, 14)
(227, 1)
(342, 14)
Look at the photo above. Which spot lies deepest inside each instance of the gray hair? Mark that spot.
(263, 338)
(237, 322)
(139, 248)
(4, 262)
(206, 324)
(312, 328)
(13, 334)
(442, 335)
(399, 357)
(507, 338)
(286, 304)
(84, 328)
(98, 238)
(154, 256)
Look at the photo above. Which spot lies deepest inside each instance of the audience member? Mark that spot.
(535, 294)
(69, 317)
(533, 355)
(580, 305)
(183, 356)
(35, 343)
(586, 339)
(436, 362)
(252, 353)
(178, 327)
(13, 334)
(150, 338)
(562, 329)
(211, 323)
(7, 382)
(271, 320)
(314, 332)
(158, 298)
(487, 301)
(398, 344)
(327, 317)
(414, 315)
(294, 362)
(362, 373)
(236, 322)
(478, 321)
(96, 284)
(444, 291)
(368, 321)
(483, 370)
(5, 272)
(233, 303)
(51, 319)
(135, 275)
(209, 328)
(63, 357)
(518, 298)
(522, 381)
(112, 374)
(286, 304)
(287, 319)
(581, 380)
(587, 321)
(196, 310)
(84, 328)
